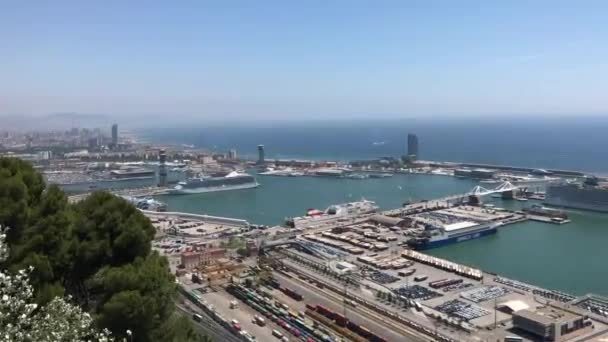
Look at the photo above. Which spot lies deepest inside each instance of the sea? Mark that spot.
(570, 257)
(577, 143)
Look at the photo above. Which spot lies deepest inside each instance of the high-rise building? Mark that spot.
(232, 154)
(162, 168)
(115, 135)
(260, 154)
(412, 146)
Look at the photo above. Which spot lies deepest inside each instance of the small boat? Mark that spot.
(380, 175)
(356, 176)
(522, 199)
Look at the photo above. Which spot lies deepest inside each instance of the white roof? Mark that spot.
(515, 305)
(459, 225)
(344, 264)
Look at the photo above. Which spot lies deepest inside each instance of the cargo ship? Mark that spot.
(334, 212)
(588, 195)
(452, 233)
(232, 181)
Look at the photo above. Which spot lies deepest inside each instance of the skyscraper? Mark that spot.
(115, 135)
(260, 154)
(232, 154)
(162, 168)
(412, 146)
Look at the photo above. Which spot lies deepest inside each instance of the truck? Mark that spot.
(421, 278)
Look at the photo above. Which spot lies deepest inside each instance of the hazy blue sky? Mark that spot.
(270, 59)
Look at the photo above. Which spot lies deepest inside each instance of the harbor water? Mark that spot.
(570, 257)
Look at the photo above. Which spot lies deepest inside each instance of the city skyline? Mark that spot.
(285, 60)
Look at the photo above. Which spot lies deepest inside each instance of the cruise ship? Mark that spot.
(334, 212)
(589, 195)
(452, 233)
(232, 181)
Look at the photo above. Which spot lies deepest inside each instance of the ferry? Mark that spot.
(453, 233)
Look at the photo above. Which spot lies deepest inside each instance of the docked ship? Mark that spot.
(452, 233)
(132, 172)
(545, 211)
(146, 203)
(589, 195)
(232, 181)
(333, 212)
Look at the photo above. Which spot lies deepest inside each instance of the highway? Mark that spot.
(372, 321)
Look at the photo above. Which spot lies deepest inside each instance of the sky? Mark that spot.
(221, 60)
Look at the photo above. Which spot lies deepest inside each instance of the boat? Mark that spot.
(380, 175)
(287, 172)
(232, 181)
(545, 211)
(588, 195)
(522, 199)
(356, 176)
(452, 233)
(333, 212)
(132, 172)
(146, 203)
(328, 172)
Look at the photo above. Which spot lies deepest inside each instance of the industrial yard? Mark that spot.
(360, 279)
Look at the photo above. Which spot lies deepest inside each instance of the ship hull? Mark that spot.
(455, 239)
(577, 198)
(575, 205)
(213, 189)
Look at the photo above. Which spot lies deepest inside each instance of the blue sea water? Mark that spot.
(566, 257)
(561, 143)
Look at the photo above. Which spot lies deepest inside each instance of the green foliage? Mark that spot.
(243, 252)
(109, 231)
(179, 329)
(141, 292)
(20, 188)
(97, 251)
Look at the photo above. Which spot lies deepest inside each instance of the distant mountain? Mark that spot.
(57, 121)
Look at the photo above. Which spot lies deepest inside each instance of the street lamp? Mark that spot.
(130, 334)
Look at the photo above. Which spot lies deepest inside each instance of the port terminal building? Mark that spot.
(552, 324)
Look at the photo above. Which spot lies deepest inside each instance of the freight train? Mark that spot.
(344, 322)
